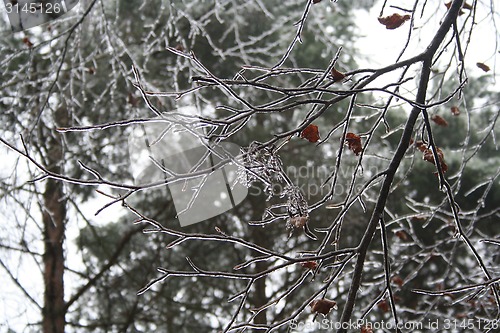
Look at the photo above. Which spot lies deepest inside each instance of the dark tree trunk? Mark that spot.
(54, 217)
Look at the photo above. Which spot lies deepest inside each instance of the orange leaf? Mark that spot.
(310, 133)
(394, 21)
(323, 306)
(309, 264)
(484, 67)
(439, 120)
(354, 143)
(455, 110)
(337, 76)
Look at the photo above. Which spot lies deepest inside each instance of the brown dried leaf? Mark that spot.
(484, 67)
(309, 264)
(466, 6)
(439, 120)
(298, 221)
(323, 306)
(418, 219)
(383, 305)
(316, 1)
(421, 146)
(354, 143)
(444, 166)
(398, 280)
(27, 42)
(366, 329)
(337, 76)
(310, 133)
(455, 110)
(401, 235)
(429, 157)
(132, 100)
(394, 21)
(448, 5)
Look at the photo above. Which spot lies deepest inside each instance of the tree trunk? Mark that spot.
(54, 216)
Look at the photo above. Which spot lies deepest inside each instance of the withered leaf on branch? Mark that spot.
(397, 280)
(383, 305)
(316, 1)
(464, 6)
(439, 120)
(27, 42)
(429, 157)
(354, 143)
(309, 264)
(310, 133)
(323, 306)
(132, 100)
(484, 67)
(393, 21)
(421, 146)
(366, 329)
(448, 5)
(298, 221)
(401, 235)
(337, 76)
(455, 110)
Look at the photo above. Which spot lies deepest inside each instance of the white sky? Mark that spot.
(382, 46)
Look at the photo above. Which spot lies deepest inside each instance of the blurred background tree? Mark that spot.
(71, 72)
